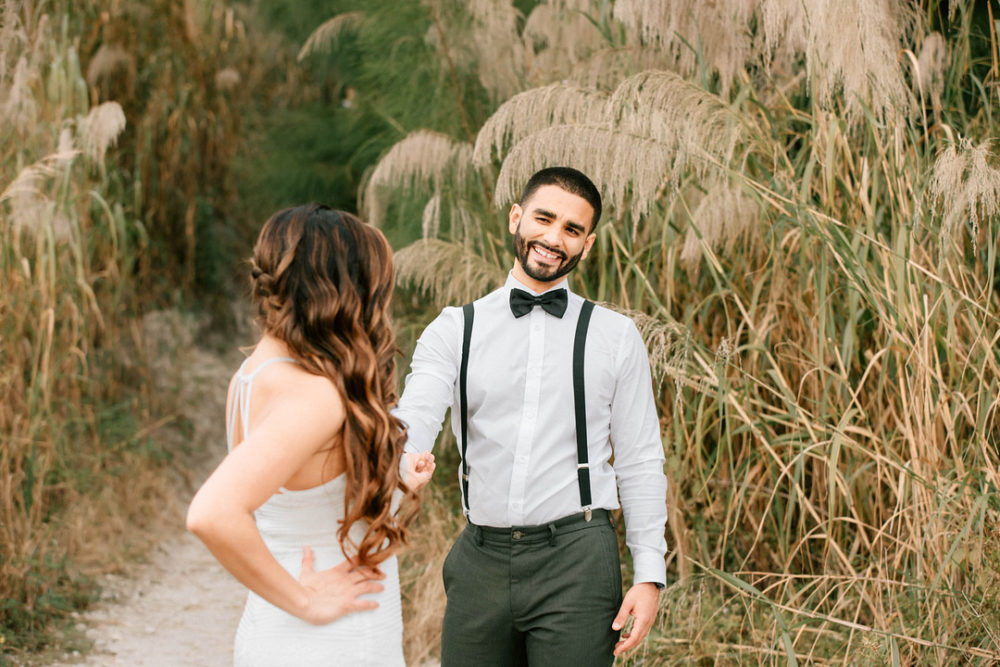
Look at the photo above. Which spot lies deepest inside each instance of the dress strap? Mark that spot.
(240, 405)
(265, 364)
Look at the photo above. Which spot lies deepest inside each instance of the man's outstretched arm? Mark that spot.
(430, 385)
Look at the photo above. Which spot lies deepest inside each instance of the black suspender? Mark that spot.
(580, 411)
(583, 464)
(463, 380)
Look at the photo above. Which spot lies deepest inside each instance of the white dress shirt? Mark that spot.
(521, 452)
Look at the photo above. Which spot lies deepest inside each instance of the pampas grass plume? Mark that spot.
(227, 79)
(965, 186)
(720, 218)
(535, 110)
(422, 159)
(100, 128)
(449, 272)
(323, 37)
(109, 60)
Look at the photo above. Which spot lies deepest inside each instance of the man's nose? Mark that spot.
(552, 237)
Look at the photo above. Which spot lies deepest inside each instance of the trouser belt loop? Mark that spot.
(479, 534)
(552, 534)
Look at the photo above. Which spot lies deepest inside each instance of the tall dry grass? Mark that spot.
(83, 484)
(802, 208)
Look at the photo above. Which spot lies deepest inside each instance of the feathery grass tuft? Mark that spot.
(535, 110)
(723, 215)
(323, 37)
(449, 273)
(422, 160)
(678, 114)
(965, 186)
(100, 128)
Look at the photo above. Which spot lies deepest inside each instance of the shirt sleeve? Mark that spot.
(430, 386)
(638, 449)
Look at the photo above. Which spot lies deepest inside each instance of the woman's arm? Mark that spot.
(298, 419)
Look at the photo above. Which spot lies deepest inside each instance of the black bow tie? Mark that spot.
(553, 303)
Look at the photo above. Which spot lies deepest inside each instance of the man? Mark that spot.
(535, 577)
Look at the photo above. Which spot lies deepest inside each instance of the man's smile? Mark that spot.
(545, 254)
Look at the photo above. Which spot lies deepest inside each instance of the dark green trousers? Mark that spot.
(540, 595)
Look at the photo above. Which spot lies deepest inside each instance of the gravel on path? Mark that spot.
(182, 608)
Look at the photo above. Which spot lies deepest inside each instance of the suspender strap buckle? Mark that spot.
(587, 513)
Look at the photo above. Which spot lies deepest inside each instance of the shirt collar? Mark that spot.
(513, 282)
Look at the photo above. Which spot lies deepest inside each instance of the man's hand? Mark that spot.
(640, 603)
(417, 469)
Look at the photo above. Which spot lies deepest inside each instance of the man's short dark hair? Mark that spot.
(569, 179)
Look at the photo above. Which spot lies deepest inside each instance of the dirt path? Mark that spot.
(182, 608)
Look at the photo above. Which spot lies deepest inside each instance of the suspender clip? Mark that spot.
(586, 514)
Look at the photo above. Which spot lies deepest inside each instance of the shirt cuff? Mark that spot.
(650, 568)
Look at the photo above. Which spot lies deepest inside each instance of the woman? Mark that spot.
(310, 504)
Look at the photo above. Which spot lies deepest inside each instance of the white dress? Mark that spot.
(289, 521)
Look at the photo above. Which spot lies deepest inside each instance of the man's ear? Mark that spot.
(587, 245)
(514, 217)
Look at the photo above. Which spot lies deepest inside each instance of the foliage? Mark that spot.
(338, 100)
(181, 72)
(110, 131)
(801, 204)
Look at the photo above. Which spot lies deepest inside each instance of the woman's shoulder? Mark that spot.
(288, 376)
(297, 398)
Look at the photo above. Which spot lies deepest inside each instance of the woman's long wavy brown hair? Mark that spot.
(322, 280)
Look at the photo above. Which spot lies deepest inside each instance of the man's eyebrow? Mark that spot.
(544, 213)
(575, 225)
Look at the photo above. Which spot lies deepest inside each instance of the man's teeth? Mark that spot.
(545, 253)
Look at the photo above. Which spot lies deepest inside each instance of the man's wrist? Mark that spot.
(659, 586)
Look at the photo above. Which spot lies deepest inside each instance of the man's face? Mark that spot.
(551, 235)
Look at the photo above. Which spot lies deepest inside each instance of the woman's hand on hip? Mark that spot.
(335, 592)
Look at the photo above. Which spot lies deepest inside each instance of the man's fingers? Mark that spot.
(631, 640)
(620, 619)
(641, 627)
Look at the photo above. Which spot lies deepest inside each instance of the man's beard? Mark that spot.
(543, 274)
